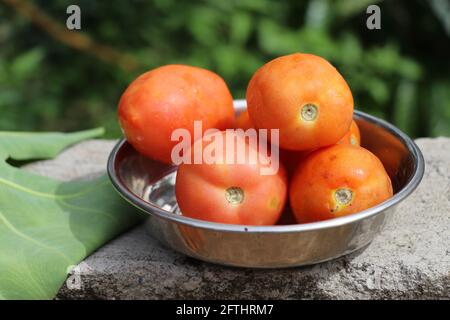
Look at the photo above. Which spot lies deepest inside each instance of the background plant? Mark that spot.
(399, 73)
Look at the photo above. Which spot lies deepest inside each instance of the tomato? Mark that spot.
(230, 193)
(168, 98)
(336, 181)
(352, 136)
(290, 159)
(243, 121)
(305, 97)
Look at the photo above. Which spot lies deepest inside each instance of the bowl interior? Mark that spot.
(153, 182)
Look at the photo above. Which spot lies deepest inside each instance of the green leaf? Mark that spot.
(241, 26)
(275, 39)
(378, 89)
(409, 69)
(406, 106)
(29, 145)
(26, 63)
(441, 9)
(204, 25)
(48, 226)
(317, 14)
(438, 108)
(346, 8)
(350, 49)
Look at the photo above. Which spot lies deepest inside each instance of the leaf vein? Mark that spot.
(49, 195)
(31, 239)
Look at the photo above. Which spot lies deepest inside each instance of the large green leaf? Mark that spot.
(46, 226)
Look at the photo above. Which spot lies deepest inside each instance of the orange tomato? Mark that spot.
(168, 98)
(305, 97)
(291, 159)
(243, 121)
(230, 193)
(352, 136)
(336, 181)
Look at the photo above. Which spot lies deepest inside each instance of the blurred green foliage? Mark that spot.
(400, 73)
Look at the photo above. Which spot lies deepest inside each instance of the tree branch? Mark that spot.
(73, 39)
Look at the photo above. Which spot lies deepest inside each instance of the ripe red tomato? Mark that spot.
(336, 181)
(243, 121)
(352, 136)
(168, 98)
(231, 193)
(290, 159)
(305, 97)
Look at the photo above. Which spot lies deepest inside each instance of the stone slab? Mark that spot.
(409, 259)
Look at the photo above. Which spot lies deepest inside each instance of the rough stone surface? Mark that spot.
(409, 259)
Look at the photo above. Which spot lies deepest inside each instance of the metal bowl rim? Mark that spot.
(151, 209)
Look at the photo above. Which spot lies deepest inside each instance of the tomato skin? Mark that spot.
(313, 188)
(280, 91)
(290, 159)
(171, 97)
(352, 136)
(243, 121)
(202, 191)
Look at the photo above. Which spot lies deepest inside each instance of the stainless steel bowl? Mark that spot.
(149, 186)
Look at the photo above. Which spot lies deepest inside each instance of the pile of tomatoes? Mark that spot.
(323, 171)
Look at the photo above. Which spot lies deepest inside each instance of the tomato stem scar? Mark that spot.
(343, 196)
(309, 112)
(234, 195)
